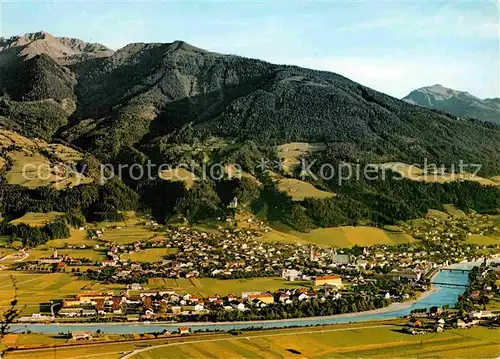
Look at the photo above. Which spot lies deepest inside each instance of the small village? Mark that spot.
(459, 235)
(471, 309)
(237, 253)
(137, 303)
(321, 280)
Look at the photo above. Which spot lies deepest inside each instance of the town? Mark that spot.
(341, 280)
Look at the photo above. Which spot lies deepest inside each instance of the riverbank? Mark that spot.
(393, 307)
(437, 296)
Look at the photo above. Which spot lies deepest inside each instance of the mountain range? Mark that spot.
(140, 96)
(64, 50)
(458, 103)
(176, 103)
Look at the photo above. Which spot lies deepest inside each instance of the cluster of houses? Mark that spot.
(242, 254)
(238, 253)
(60, 261)
(138, 303)
(447, 235)
(471, 306)
(164, 304)
(434, 321)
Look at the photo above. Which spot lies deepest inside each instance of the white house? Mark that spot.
(481, 314)
(238, 306)
(303, 296)
(199, 308)
(81, 335)
(290, 274)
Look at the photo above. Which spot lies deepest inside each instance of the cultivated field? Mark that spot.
(36, 288)
(77, 238)
(148, 255)
(90, 254)
(379, 342)
(299, 190)
(37, 219)
(33, 289)
(484, 240)
(342, 237)
(5, 252)
(360, 340)
(129, 233)
(209, 286)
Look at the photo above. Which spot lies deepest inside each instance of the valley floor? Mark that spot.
(374, 340)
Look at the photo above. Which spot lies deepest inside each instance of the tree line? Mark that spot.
(31, 236)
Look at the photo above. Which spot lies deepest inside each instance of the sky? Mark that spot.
(391, 46)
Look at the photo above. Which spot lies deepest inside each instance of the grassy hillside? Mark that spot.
(415, 173)
(35, 163)
(291, 153)
(179, 175)
(299, 190)
(37, 219)
(342, 237)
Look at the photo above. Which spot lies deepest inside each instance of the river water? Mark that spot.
(445, 295)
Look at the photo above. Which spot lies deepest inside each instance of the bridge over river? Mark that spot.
(450, 284)
(460, 270)
(451, 270)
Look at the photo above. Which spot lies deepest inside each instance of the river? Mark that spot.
(445, 295)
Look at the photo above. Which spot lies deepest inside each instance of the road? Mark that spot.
(52, 309)
(135, 352)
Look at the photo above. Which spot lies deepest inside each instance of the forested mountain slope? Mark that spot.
(173, 103)
(146, 92)
(143, 94)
